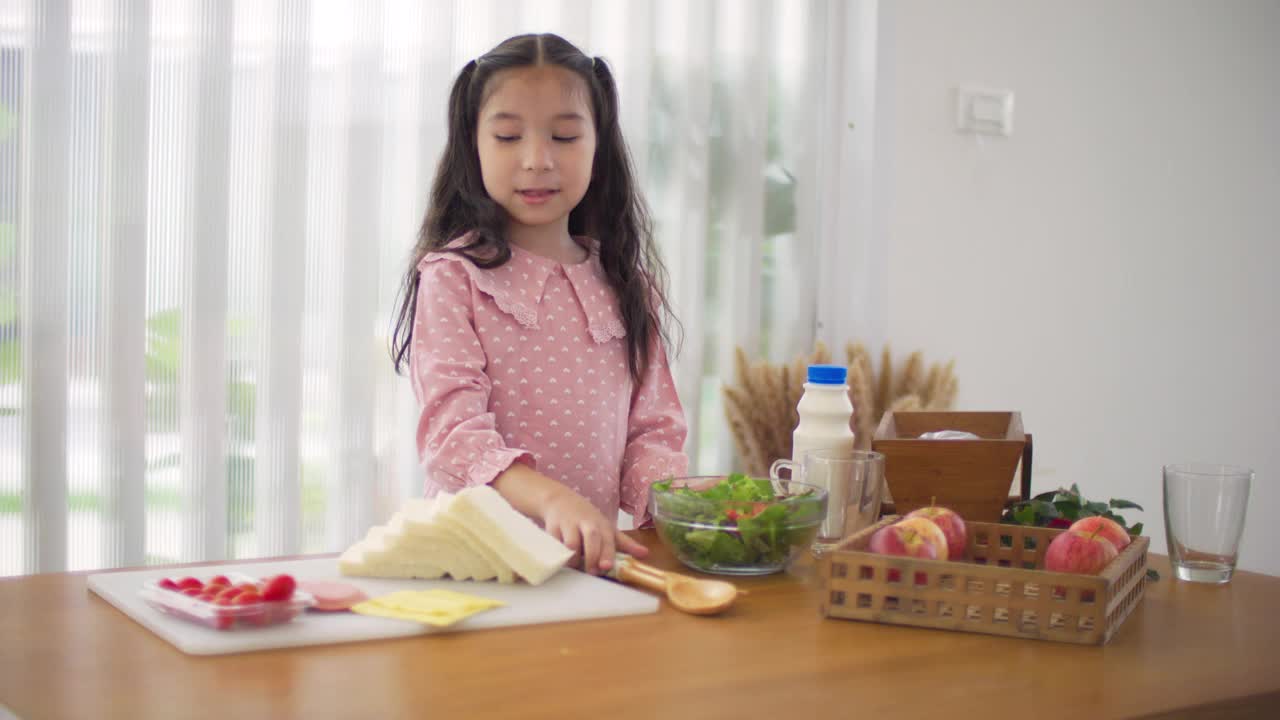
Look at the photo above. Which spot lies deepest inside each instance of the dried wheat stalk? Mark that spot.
(774, 399)
(910, 379)
(795, 385)
(948, 388)
(761, 405)
(741, 428)
(884, 388)
(907, 403)
(861, 394)
(760, 412)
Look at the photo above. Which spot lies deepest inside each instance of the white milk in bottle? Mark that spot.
(826, 416)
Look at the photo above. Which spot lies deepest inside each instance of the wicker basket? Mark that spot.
(998, 590)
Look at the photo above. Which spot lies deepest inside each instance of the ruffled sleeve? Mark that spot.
(458, 442)
(655, 436)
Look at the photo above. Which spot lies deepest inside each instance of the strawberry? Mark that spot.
(219, 580)
(248, 597)
(279, 588)
(167, 584)
(187, 583)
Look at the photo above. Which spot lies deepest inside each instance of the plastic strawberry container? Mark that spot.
(226, 616)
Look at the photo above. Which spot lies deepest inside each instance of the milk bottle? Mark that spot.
(826, 416)
(826, 413)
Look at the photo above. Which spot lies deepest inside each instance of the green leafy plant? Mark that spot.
(1059, 508)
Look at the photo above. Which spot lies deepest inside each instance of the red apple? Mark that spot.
(951, 525)
(916, 537)
(1106, 527)
(931, 533)
(1085, 553)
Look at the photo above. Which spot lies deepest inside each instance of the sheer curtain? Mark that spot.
(206, 206)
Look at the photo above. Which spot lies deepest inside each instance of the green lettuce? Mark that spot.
(739, 521)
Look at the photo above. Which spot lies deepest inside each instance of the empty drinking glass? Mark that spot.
(1204, 509)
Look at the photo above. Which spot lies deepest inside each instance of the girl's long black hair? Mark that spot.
(612, 212)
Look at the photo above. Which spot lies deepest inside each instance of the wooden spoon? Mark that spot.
(694, 596)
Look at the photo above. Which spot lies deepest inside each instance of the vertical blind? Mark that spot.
(206, 206)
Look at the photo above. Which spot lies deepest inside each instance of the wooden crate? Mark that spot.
(972, 477)
(1000, 588)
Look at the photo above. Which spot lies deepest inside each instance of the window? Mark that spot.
(205, 210)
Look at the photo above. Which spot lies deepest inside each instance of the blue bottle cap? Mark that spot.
(828, 374)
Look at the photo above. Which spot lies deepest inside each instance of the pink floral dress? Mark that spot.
(527, 362)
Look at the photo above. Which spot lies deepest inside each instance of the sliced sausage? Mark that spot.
(331, 596)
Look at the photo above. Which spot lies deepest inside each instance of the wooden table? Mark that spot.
(1188, 650)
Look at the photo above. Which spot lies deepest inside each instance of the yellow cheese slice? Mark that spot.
(440, 608)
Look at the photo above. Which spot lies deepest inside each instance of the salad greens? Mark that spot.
(739, 521)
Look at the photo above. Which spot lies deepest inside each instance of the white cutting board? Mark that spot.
(567, 595)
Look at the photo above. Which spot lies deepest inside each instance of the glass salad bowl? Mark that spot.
(736, 524)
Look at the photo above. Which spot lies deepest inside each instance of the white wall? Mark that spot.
(1111, 269)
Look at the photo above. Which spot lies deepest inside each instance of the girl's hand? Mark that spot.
(575, 522)
(567, 516)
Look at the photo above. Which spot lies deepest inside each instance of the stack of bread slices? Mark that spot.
(472, 535)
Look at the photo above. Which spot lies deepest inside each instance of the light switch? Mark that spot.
(984, 110)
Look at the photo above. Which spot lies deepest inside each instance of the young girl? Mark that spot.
(531, 319)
